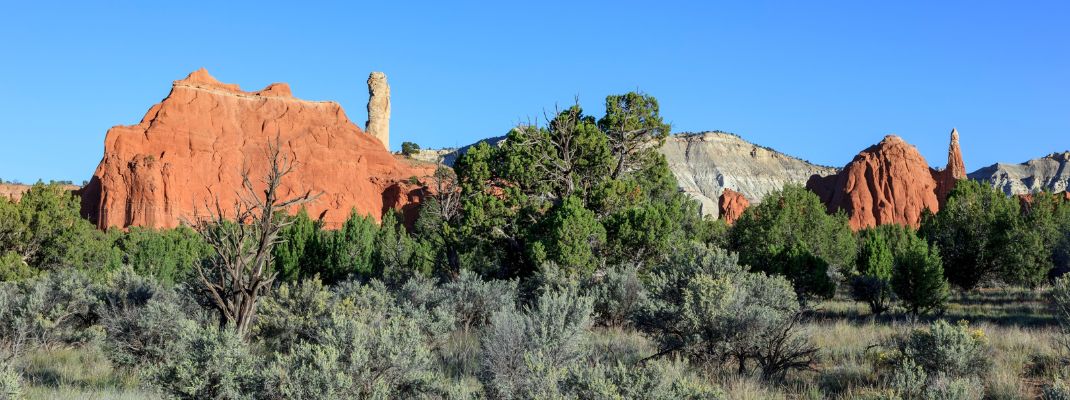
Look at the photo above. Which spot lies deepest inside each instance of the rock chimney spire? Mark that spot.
(955, 166)
(378, 124)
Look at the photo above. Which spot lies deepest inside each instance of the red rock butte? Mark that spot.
(890, 183)
(190, 150)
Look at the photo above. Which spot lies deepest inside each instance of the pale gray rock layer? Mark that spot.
(378, 124)
(1051, 172)
(706, 163)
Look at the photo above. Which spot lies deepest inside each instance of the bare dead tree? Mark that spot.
(239, 273)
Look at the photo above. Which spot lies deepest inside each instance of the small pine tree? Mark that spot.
(918, 278)
(875, 261)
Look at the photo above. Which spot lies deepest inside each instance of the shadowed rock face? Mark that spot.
(731, 205)
(191, 148)
(889, 183)
(705, 164)
(1051, 172)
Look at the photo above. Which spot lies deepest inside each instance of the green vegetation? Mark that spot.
(562, 264)
(409, 148)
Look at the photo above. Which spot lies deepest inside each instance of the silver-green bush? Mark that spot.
(528, 353)
(209, 363)
(705, 306)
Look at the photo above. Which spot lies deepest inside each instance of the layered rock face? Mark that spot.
(190, 150)
(731, 205)
(378, 124)
(1051, 172)
(705, 164)
(889, 183)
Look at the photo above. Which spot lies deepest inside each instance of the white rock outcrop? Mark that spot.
(706, 163)
(1051, 172)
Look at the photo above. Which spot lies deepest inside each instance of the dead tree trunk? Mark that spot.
(240, 270)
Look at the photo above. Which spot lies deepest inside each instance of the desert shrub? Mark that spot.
(292, 313)
(473, 300)
(140, 318)
(10, 382)
(653, 380)
(951, 350)
(617, 295)
(1059, 298)
(56, 308)
(703, 305)
(208, 363)
(528, 353)
(367, 357)
(944, 388)
(367, 346)
(1057, 390)
(944, 361)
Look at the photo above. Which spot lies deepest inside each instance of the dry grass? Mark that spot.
(76, 373)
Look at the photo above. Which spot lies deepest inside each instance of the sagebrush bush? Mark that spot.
(10, 382)
(944, 361)
(365, 356)
(528, 353)
(949, 350)
(357, 340)
(474, 300)
(703, 305)
(140, 318)
(652, 380)
(1057, 390)
(1059, 298)
(52, 309)
(208, 363)
(617, 295)
(292, 313)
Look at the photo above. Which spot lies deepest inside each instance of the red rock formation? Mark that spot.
(955, 170)
(731, 205)
(191, 148)
(887, 183)
(890, 183)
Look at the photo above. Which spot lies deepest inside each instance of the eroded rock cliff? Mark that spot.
(1051, 172)
(191, 148)
(705, 164)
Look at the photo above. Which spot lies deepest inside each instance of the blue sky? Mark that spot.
(818, 80)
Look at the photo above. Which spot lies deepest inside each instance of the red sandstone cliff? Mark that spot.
(731, 205)
(890, 183)
(191, 148)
